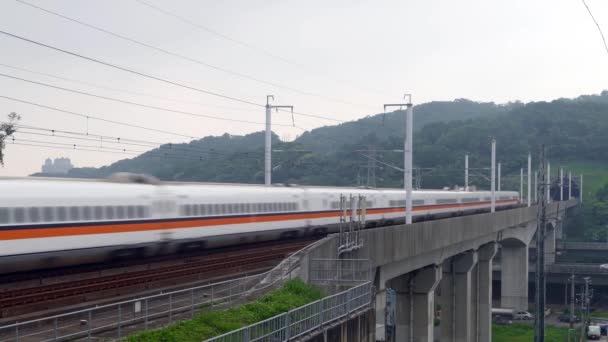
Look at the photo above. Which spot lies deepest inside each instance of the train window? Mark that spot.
(446, 200)
(487, 198)
(141, 211)
(87, 213)
(417, 202)
(131, 211)
(186, 210)
(110, 213)
(470, 200)
(195, 211)
(120, 212)
(62, 214)
(202, 209)
(34, 214)
(98, 213)
(242, 208)
(19, 215)
(368, 204)
(74, 214)
(4, 215)
(47, 214)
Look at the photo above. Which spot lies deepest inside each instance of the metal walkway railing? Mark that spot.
(303, 320)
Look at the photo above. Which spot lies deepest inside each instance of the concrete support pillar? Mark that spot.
(415, 307)
(456, 298)
(550, 245)
(425, 283)
(514, 276)
(484, 290)
(404, 315)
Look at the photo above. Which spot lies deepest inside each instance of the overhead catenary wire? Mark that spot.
(136, 103)
(596, 24)
(160, 79)
(187, 58)
(251, 46)
(119, 90)
(86, 116)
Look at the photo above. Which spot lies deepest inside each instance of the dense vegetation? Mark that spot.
(573, 131)
(294, 293)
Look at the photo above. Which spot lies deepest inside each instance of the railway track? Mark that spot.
(212, 265)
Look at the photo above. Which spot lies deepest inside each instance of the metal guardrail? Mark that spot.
(597, 246)
(339, 271)
(305, 319)
(151, 312)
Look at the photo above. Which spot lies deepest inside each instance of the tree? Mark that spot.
(6, 130)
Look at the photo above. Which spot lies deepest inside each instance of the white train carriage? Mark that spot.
(49, 223)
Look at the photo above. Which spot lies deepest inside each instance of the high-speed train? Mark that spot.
(48, 223)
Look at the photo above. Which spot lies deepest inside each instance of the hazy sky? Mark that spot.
(344, 58)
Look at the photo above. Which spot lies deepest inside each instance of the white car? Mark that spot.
(522, 315)
(594, 332)
(604, 267)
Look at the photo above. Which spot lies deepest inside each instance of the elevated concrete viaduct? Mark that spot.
(451, 258)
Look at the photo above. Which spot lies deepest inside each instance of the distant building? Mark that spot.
(60, 166)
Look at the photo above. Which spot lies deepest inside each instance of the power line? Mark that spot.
(190, 59)
(596, 24)
(96, 118)
(248, 45)
(135, 103)
(153, 77)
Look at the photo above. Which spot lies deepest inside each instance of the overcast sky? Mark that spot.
(338, 59)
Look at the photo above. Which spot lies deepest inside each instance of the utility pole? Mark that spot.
(466, 172)
(569, 185)
(493, 176)
(529, 179)
(407, 153)
(561, 183)
(572, 301)
(539, 317)
(268, 139)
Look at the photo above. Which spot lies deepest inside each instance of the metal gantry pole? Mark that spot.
(407, 153)
(561, 183)
(521, 184)
(529, 179)
(493, 176)
(548, 188)
(581, 190)
(268, 139)
(535, 186)
(539, 317)
(466, 172)
(569, 185)
(499, 176)
(572, 301)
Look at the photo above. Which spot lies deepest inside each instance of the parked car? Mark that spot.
(522, 315)
(565, 317)
(502, 320)
(604, 267)
(594, 332)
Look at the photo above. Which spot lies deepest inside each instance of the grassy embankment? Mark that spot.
(525, 333)
(293, 294)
